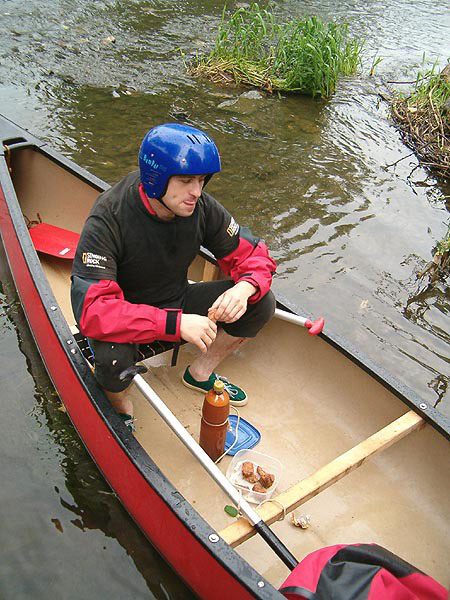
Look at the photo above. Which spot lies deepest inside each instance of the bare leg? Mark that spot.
(121, 401)
(224, 344)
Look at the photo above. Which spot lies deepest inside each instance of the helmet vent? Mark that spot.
(194, 139)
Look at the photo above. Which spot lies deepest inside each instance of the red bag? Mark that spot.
(359, 572)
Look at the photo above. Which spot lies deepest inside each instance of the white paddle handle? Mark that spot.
(314, 327)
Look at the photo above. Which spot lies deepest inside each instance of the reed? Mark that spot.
(304, 56)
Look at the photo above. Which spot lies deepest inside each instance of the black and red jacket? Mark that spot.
(359, 572)
(130, 269)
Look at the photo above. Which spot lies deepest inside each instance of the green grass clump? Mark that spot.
(423, 117)
(304, 56)
(432, 90)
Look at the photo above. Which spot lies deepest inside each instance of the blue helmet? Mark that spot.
(175, 149)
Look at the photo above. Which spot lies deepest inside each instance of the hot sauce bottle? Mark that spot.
(213, 429)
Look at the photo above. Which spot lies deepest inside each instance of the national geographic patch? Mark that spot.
(90, 259)
(232, 228)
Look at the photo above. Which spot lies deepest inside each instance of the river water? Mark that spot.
(316, 179)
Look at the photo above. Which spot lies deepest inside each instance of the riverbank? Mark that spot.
(423, 118)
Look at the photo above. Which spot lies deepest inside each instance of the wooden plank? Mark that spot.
(241, 530)
(210, 272)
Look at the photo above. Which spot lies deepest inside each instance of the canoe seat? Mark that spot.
(53, 240)
(147, 350)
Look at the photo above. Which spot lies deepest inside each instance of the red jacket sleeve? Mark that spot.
(250, 262)
(104, 315)
(239, 253)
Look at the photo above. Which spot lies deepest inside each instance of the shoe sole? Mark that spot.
(199, 389)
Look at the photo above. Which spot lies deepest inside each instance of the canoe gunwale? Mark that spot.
(241, 573)
(403, 392)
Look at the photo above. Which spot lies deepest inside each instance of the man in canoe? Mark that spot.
(129, 278)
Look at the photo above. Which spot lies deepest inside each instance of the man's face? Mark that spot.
(182, 193)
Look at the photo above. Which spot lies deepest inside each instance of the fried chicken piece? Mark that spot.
(248, 468)
(259, 488)
(265, 479)
(248, 472)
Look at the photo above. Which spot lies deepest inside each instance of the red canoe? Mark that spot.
(322, 410)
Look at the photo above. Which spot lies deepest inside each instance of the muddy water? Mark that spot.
(349, 228)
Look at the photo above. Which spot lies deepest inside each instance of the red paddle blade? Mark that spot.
(53, 240)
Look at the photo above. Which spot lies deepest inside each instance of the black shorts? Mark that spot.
(111, 359)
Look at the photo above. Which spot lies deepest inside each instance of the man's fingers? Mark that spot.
(227, 308)
(233, 313)
(216, 302)
(205, 340)
(236, 314)
(224, 309)
(220, 305)
(209, 336)
(198, 330)
(235, 310)
(202, 346)
(219, 312)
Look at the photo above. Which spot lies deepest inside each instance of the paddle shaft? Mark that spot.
(290, 317)
(251, 515)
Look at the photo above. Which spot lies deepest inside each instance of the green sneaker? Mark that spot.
(128, 421)
(237, 396)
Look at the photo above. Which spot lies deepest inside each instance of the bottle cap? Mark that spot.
(219, 386)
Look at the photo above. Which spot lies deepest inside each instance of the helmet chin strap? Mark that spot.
(161, 201)
(164, 204)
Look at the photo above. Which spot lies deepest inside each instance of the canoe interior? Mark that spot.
(310, 403)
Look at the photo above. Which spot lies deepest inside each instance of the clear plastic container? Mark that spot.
(268, 463)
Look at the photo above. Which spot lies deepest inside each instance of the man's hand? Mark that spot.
(199, 330)
(232, 304)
